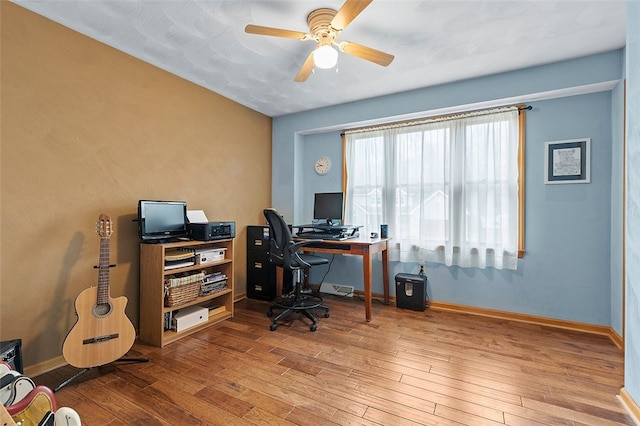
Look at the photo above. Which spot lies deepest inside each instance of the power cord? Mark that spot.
(333, 256)
(426, 286)
(374, 299)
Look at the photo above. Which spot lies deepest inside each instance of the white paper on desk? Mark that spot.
(197, 216)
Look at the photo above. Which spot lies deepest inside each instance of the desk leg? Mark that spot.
(367, 268)
(385, 275)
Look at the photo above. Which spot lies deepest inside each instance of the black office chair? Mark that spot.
(285, 252)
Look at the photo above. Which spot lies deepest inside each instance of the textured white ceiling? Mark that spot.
(434, 42)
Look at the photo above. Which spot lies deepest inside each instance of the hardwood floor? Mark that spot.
(402, 368)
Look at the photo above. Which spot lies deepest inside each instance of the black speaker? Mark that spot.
(11, 353)
(411, 291)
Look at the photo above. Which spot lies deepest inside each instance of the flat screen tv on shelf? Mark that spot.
(162, 221)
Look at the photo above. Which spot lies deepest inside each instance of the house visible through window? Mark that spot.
(447, 188)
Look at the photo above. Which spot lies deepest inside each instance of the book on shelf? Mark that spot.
(173, 255)
(215, 310)
(210, 288)
(168, 320)
(214, 277)
(175, 264)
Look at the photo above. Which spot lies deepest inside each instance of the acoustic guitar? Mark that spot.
(103, 333)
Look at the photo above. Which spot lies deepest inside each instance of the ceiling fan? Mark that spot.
(325, 26)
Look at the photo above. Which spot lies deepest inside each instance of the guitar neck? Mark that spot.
(103, 272)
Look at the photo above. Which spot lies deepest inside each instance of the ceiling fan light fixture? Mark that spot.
(325, 57)
(325, 26)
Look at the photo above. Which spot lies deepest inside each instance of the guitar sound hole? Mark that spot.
(102, 309)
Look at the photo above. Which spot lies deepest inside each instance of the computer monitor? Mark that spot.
(328, 207)
(160, 221)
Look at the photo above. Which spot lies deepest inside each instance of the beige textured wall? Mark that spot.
(85, 130)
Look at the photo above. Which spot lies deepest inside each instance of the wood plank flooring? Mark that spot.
(402, 368)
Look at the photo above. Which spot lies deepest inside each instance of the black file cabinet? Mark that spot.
(261, 273)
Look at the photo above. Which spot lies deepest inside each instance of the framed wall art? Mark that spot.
(567, 161)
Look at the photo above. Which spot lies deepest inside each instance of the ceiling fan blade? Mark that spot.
(275, 32)
(348, 12)
(306, 69)
(366, 53)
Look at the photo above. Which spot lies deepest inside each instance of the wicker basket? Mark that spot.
(182, 294)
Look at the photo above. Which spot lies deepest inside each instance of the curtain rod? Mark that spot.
(419, 121)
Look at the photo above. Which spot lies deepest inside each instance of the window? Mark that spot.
(447, 188)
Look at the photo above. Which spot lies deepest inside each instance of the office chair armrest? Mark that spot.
(294, 248)
(296, 245)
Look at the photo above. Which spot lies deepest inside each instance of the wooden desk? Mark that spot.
(365, 247)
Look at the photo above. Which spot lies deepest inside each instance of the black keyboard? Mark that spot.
(320, 236)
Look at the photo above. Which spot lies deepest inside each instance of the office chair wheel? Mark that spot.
(269, 313)
(273, 327)
(313, 327)
(326, 314)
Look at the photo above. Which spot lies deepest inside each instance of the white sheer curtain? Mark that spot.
(447, 189)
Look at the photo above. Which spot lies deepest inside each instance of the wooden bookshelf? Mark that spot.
(154, 273)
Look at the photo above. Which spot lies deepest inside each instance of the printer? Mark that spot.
(212, 231)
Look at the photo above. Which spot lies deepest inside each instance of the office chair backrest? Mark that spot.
(280, 240)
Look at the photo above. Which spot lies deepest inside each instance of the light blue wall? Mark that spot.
(566, 273)
(632, 319)
(328, 144)
(533, 83)
(617, 218)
